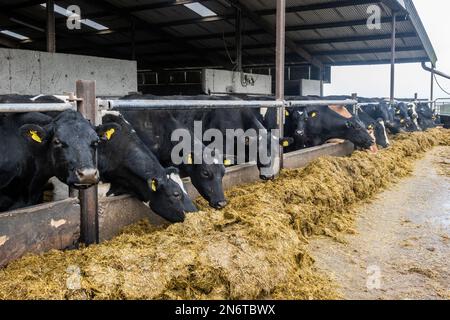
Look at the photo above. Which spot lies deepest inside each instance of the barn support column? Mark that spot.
(432, 87)
(133, 40)
(280, 66)
(238, 39)
(89, 225)
(50, 31)
(393, 54)
(321, 76)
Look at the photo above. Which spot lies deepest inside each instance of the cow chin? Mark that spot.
(170, 214)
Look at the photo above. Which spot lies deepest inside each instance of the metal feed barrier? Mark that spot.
(64, 224)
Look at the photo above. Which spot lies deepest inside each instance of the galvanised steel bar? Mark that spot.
(393, 53)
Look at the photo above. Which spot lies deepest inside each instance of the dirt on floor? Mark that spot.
(401, 249)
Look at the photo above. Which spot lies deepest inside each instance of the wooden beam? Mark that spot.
(38, 229)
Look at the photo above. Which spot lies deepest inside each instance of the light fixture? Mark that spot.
(200, 9)
(14, 35)
(67, 13)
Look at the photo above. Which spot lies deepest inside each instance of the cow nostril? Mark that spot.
(87, 176)
(221, 204)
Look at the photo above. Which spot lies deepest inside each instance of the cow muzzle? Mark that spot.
(86, 177)
(219, 205)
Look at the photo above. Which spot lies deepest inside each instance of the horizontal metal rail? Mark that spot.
(190, 104)
(35, 107)
(216, 104)
(307, 103)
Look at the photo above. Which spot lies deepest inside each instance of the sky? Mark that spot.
(374, 81)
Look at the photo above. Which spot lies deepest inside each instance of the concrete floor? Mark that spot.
(402, 246)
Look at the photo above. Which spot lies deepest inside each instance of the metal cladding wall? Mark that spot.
(34, 72)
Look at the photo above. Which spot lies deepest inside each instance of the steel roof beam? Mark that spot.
(365, 51)
(319, 6)
(268, 28)
(154, 29)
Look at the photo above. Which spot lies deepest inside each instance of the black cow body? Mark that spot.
(39, 147)
(131, 168)
(155, 128)
(427, 117)
(377, 126)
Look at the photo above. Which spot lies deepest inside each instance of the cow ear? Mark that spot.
(313, 114)
(286, 142)
(189, 159)
(33, 133)
(172, 170)
(108, 131)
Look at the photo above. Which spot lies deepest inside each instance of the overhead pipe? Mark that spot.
(437, 72)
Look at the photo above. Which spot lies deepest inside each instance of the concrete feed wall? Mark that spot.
(34, 72)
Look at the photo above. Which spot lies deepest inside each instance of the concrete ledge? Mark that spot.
(38, 229)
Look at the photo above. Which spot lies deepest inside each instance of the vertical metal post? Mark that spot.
(89, 227)
(133, 40)
(280, 66)
(432, 90)
(238, 39)
(393, 54)
(321, 80)
(50, 31)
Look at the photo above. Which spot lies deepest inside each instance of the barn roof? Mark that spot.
(167, 33)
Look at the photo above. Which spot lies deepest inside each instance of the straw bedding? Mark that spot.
(253, 249)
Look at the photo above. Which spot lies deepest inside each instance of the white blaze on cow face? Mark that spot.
(384, 131)
(177, 179)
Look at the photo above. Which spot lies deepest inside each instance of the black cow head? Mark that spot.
(380, 133)
(207, 178)
(402, 118)
(70, 142)
(129, 165)
(357, 133)
(296, 118)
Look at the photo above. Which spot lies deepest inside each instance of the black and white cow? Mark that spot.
(385, 112)
(38, 147)
(131, 168)
(377, 126)
(155, 128)
(426, 116)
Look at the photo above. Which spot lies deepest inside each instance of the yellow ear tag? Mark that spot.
(402, 121)
(287, 113)
(314, 114)
(109, 133)
(189, 159)
(285, 143)
(227, 162)
(154, 185)
(370, 127)
(34, 135)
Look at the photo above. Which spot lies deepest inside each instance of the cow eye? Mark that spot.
(57, 142)
(205, 173)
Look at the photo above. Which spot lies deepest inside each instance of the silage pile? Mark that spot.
(254, 249)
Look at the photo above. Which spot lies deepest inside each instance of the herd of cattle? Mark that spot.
(131, 150)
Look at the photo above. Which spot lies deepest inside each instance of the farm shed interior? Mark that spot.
(173, 40)
(172, 43)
